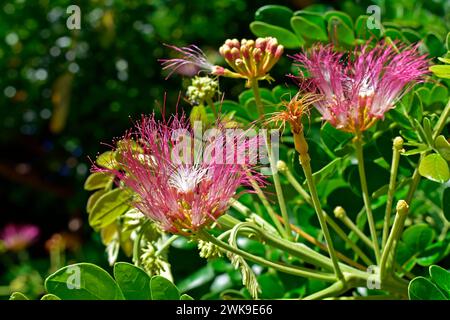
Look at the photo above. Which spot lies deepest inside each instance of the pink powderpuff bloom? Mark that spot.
(18, 237)
(179, 193)
(360, 87)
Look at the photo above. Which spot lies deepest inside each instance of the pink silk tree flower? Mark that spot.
(17, 237)
(361, 86)
(182, 193)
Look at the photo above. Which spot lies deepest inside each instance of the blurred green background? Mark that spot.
(65, 92)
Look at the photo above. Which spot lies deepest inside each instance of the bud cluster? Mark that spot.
(201, 89)
(252, 59)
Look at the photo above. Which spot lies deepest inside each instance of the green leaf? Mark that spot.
(441, 71)
(394, 34)
(418, 237)
(308, 29)
(108, 207)
(18, 296)
(445, 203)
(439, 93)
(421, 288)
(340, 33)
(133, 281)
(97, 180)
(424, 94)
(411, 35)
(246, 95)
(93, 199)
(274, 14)
(285, 37)
(332, 137)
(447, 42)
(271, 286)
(435, 168)
(435, 45)
(416, 110)
(198, 113)
(227, 106)
(433, 253)
(443, 147)
(441, 277)
(197, 279)
(186, 297)
(252, 109)
(107, 160)
(362, 31)
(281, 92)
(341, 15)
(327, 171)
(163, 289)
(83, 281)
(50, 296)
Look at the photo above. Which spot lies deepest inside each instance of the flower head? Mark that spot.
(359, 88)
(201, 89)
(294, 110)
(170, 184)
(17, 237)
(252, 59)
(249, 59)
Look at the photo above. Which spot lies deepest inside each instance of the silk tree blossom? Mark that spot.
(248, 59)
(16, 237)
(181, 194)
(360, 87)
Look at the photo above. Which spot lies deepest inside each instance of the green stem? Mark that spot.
(442, 121)
(335, 289)
(332, 224)
(437, 131)
(269, 209)
(365, 193)
(273, 165)
(297, 271)
(394, 236)
(279, 192)
(305, 163)
(344, 237)
(212, 106)
(257, 95)
(396, 150)
(342, 215)
(166, 244)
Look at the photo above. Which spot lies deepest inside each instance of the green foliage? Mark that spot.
(435, 288)
(85, 281)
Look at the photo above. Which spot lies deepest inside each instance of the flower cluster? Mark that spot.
(18, 237)
(201, 89)
(180, 194)
(252, 59)
(360, 87)
(249, 59)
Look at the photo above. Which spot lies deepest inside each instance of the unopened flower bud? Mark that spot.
(282, 166)
(339, 212)
(402, 207)
(398, 143)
